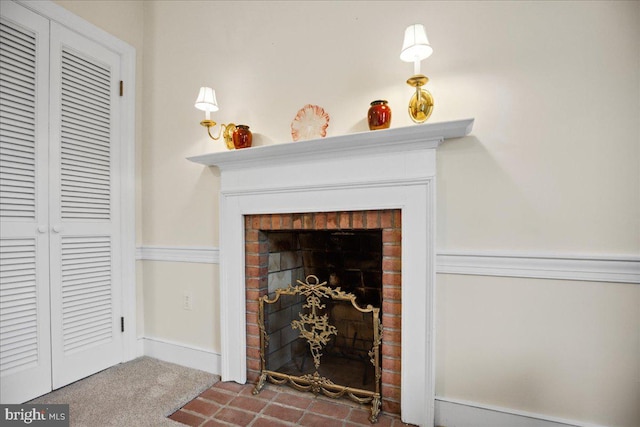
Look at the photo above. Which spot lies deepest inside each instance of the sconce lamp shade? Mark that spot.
(416, 46)
(207, 100)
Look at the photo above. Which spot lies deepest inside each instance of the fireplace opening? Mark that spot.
(348, 260)
(358, 251)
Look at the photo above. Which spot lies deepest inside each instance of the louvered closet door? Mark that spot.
(25, 352)
(85, 265)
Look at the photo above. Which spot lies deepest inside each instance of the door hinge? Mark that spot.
(122, 324)
(121, 88)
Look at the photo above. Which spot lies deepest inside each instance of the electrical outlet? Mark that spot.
(187, 301)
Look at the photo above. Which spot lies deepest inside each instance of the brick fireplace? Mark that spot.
(258, 271)
(363, 175)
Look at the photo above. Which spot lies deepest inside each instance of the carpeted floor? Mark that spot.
(138, 393)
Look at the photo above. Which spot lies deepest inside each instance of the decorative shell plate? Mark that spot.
(310, 122)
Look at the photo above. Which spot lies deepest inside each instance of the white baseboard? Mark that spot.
(180, 354)
(457, 413)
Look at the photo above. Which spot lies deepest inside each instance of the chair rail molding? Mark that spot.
(587, 268)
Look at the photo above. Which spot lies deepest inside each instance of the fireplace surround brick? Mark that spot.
(257, 270)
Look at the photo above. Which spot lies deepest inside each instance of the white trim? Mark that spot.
(206, 255)
(618, 269)
(182, 354)
(614, 269)
(127, 54)
(461, 413)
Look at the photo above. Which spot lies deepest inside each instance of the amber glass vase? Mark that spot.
(379, 115)
(242, 137)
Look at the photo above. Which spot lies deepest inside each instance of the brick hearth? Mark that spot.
(257, 269)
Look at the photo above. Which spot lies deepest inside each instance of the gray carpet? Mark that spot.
(134, 394)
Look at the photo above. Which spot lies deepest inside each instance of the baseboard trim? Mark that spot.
(460, 413)
(613, 269)
(184, 355)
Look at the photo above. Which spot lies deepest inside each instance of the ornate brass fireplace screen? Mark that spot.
(314, 327)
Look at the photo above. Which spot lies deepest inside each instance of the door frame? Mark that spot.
(127, 54)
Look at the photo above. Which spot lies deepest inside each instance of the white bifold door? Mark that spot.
(60, 302)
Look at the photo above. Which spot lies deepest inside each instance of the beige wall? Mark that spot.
(552, 167)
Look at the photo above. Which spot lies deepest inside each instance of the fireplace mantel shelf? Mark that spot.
(396, 139)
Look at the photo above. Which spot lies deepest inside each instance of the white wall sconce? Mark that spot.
(415, 48)
(207, 102)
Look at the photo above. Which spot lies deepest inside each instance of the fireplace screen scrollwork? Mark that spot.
(329, 328)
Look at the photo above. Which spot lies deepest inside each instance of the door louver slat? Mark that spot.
(85, 139)
(18, 299)
(86, 291)
(17, 123)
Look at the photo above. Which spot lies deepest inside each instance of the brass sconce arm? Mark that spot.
(226, 131)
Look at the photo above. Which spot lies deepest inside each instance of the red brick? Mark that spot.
(332, 220)
(397, 218)
(252, 306)
(392, 336)
(320, 221)
(253, 353)
(287, 222)
(391, 351)
(391, 307)
(386, 219)
(392, 250)
(252, 247)
(265, 222)
(391, 407)
(248, 403)
(293, 400)
(296, 223)
(255, 222)
(391, 378)
(269, 422)
(391, 236)
(216, 396)
(291, 415)
(253, 364)
(230, 386)
(391, 264)
(357, 220)
(252, 294)
(392, 279)
(313, 420)
(253, 330)
(276, 222)
(307, 221)
(186, 418)
(251, 236)
(391, 392)
(329, 409)
(373, 219)
(389, 321)
(253, 341)
(215, 423)
(389, 364)
(389, 293)
(235, 416)
(201, 406)
(345, 220)
(264, 394)
(252, 260)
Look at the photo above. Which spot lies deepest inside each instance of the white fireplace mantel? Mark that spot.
(386, 169)
(381, 141)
